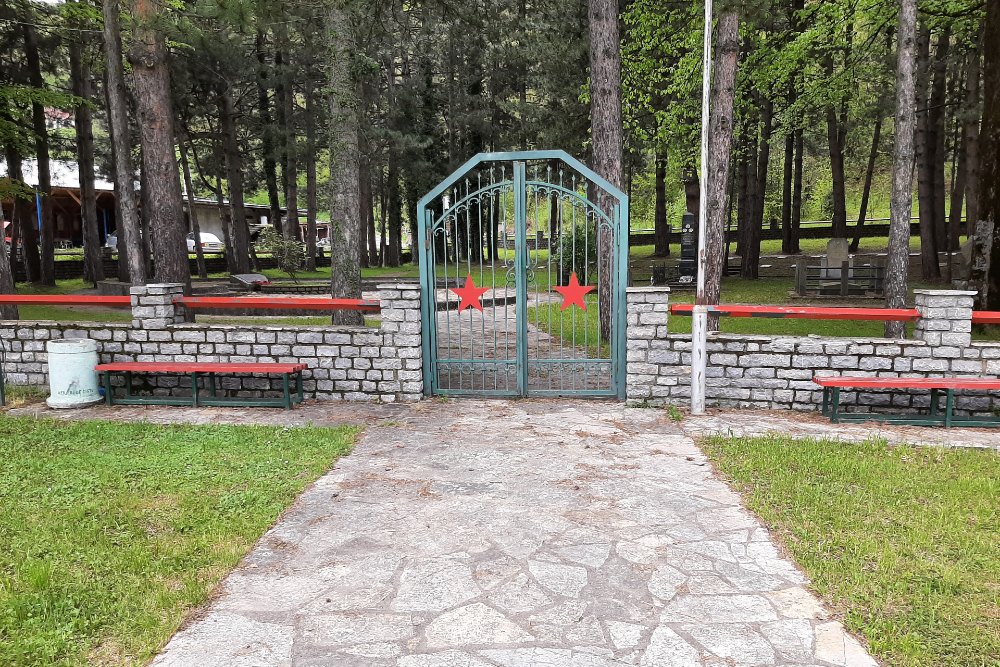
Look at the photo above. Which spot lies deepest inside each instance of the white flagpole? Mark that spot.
(699, 320)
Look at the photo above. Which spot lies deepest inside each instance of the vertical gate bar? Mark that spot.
(506, 283)
(428, 309)
(520, 241)
(493, 258)
(482, 278)
(618, 347)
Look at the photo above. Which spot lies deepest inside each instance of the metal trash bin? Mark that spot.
(72, 378)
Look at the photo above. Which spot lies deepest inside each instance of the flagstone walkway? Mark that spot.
(509, 533)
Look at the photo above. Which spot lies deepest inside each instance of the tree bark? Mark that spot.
(151, 77)
(867, 188)
(47, 236)
(989, 195)
(199, 252)
(661, 226)
(267, 134)
(936, 136)
(898, 263)
(720, 149)
(394, 203)
(835, 145)
(226, 221)
(924, 156)
(311, 204)
(93, 267)
(129, 239)
(345, 208)
(606, 134)
(234, 174)
(751, 260)
(291, 170)
(797, 192)
(786, 194)
(973, 112)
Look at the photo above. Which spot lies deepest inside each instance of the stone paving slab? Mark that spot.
(748, 423)
(509, 534)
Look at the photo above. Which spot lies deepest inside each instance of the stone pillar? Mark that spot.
(401, 328)
(945, 320)
(647, 309)
(153, 305)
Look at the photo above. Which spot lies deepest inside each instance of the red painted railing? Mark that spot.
(806, 313)
(288, 303)
(65, 300)
(986, 317)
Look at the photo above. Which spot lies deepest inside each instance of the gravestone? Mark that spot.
(689, 248)
(838, 251)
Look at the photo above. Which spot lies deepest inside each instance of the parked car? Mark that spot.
(209, 243)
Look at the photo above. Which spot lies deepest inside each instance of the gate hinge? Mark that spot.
(427, 240)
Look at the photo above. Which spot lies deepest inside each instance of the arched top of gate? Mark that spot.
(516, 156)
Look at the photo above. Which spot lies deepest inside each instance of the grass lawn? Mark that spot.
(111, 532)
(903, 541)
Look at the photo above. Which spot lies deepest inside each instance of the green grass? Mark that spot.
(112, 532)
(904, 541)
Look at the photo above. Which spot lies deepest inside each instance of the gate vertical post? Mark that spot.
(521, 274)
(423, 249)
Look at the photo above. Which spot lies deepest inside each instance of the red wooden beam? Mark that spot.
(986, 317)
(198, 367)
(285, 303)
(906, 383)
(806, 313)
(65, 300)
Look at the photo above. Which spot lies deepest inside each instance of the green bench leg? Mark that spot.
(949, 406)
(298, 380)
(826, 402)
(194, 389)
(108, 395)
(287, 390)
(835, 414)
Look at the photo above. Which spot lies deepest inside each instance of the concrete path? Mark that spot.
(500, 534)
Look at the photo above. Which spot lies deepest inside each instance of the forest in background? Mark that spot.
(358, 107)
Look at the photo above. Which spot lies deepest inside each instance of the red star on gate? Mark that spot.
(470, 295)
(574, 292)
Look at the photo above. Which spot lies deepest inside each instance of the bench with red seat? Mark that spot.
(832, 385)
(208, 371)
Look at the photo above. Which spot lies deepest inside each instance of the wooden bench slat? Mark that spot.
(906, 383)
(199, 367)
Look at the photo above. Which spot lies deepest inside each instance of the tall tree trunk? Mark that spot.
(226, 221)
(720, 149)
(867, 188)
(746, 181)
(199, 252)
(311, 204)
(924, 155)
(93, 267)
(898, 262)
(751, 258)
(936, 136)
(7, 312)
(47, 238)
(151, 77)
(395, 213)
(835, 145)
(606, 133)
(957, 202)
(973, 112)
(267, 134)
(365, 213)
(234, 174)
(989, 194)
(661, 226)
(290, 144)
(129, 239)
(797, 192)
(786, 194)
(345, 208)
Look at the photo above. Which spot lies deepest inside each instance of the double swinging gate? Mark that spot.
(523, 265)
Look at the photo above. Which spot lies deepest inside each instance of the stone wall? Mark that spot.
(348, 363)
(775, 372)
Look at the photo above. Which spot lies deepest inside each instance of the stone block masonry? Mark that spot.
(344, 363)
(775, 372)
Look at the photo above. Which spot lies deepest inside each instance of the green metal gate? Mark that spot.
(524, 263)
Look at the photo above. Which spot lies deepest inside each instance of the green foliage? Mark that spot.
(289, 254)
